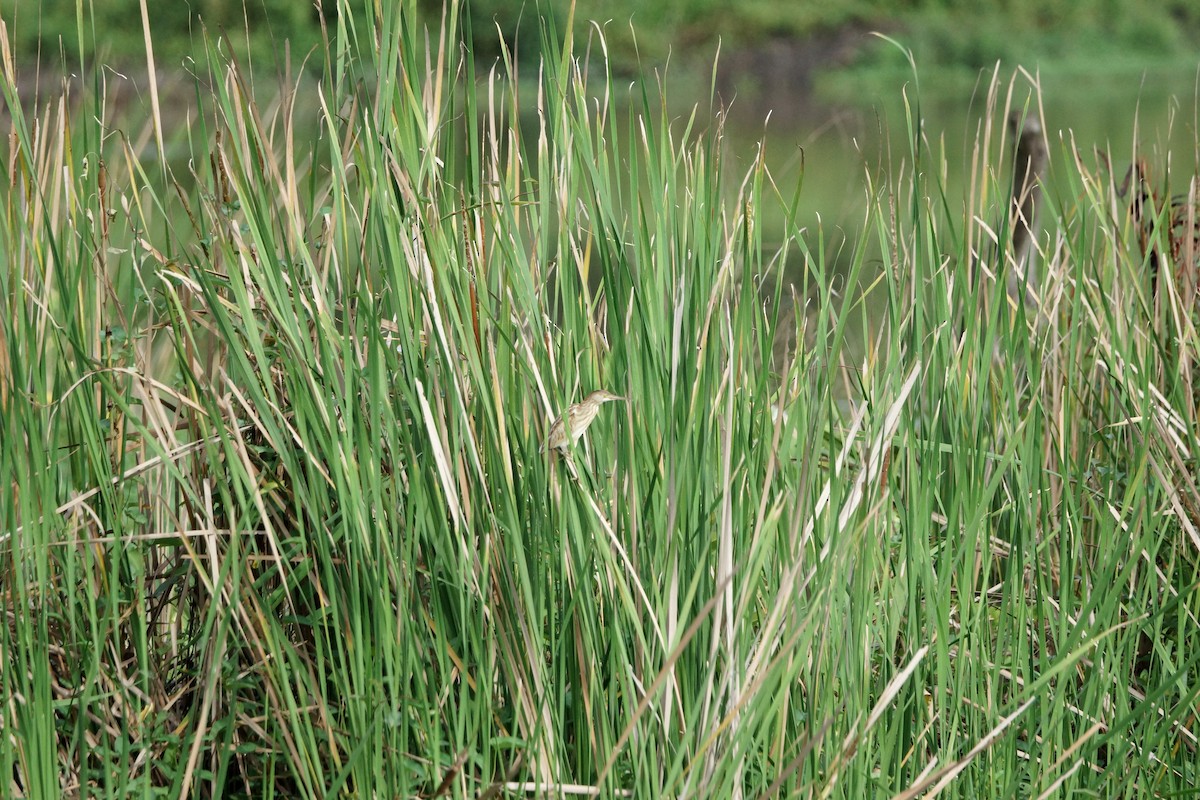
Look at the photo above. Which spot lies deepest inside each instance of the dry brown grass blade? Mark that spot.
(152, 70)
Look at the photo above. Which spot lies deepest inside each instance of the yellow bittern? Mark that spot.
(576, 420)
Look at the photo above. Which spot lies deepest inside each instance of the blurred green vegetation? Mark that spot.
(1100, 34)
(113, 30)
(940, 33)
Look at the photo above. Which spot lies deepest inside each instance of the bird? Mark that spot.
(576, 420)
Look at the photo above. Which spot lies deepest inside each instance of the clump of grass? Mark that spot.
(275, 519)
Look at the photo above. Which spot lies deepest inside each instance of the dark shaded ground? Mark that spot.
(780, 74)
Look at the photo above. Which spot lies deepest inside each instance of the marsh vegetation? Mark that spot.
(276, 519)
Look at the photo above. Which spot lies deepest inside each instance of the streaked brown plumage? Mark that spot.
(578, 418)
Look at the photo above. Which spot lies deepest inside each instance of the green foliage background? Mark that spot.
(48, 27)
(940, 32)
